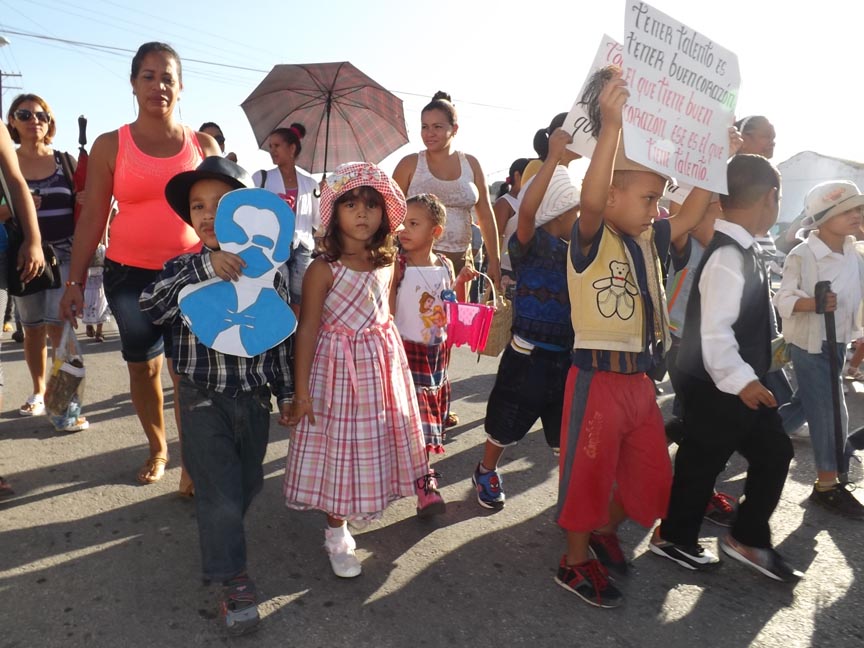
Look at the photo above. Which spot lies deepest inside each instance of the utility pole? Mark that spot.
(4, 74)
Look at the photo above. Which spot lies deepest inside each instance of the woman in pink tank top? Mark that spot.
(133, 164)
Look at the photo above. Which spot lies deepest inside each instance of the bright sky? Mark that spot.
(509, 66)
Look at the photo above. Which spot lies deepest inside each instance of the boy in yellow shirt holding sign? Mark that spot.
(614, 463)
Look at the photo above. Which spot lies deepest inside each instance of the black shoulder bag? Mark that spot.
(50, 275)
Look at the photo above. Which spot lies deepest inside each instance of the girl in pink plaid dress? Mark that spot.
(357, 442)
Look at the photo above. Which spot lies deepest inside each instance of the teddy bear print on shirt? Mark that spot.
(615, 293)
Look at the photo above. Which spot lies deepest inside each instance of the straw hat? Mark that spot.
(829, 199)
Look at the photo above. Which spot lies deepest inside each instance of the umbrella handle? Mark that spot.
(317, 191)
(821, 292)
(82, 130)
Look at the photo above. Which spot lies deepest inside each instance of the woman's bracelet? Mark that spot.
(302, 401)
(80, 284)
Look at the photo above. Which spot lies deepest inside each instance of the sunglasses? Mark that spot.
(22, 114)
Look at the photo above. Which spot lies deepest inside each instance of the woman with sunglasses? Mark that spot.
(213, 129)
(133, 164)
(48, 175)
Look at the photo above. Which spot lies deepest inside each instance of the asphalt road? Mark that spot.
(90, 558)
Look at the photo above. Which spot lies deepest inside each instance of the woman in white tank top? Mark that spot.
(457, 180)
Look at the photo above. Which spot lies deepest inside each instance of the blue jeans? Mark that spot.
(814, 390)
(224, 441)
(791, 408)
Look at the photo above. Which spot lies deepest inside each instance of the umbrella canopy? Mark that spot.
(348, 116)
(79, 178)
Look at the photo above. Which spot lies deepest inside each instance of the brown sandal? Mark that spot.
(187, 487)
(153, 470)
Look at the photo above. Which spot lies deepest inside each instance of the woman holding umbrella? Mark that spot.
(133, 164)
(48, 174)
(297, 188)
(457, 179)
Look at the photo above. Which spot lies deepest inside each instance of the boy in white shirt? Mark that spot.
(834, 210)
(724, 356)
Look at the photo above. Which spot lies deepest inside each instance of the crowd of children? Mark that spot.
(363, 384)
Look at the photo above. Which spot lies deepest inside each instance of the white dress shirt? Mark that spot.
(806, 264)
(721, 287)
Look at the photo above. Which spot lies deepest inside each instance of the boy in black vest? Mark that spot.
(724, 356)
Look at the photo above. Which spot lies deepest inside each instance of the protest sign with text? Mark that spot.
(683, 91)
(578, 122)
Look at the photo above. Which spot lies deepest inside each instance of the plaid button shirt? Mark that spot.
(220, 372)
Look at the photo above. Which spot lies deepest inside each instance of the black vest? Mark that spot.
(752, 328)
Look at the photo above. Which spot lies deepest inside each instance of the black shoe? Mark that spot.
(590, 582)
(765, 561)
(839, 499)
(696, 557)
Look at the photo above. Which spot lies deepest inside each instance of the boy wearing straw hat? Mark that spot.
(834, 211)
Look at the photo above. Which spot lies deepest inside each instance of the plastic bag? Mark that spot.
(98, 260)
(66, 378)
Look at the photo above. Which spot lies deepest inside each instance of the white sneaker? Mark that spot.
(340, 546)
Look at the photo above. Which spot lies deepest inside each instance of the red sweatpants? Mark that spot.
(612, 445)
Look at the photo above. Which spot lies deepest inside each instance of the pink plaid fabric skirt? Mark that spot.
(366, 448)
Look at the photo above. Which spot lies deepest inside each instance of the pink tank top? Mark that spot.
(146, 232)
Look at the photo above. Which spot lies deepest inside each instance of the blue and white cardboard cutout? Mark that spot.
(245, 317)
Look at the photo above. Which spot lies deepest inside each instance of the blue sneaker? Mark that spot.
(489, 491)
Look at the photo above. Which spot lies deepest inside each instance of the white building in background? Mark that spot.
(804, 170)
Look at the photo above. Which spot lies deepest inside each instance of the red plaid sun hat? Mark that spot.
(351, 175)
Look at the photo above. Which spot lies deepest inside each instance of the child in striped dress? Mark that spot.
(357, 442)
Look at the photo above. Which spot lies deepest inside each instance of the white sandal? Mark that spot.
(78, 424)
(34, 406)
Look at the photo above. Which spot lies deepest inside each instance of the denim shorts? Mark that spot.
(44, 307)
(528, 387)
(141, 340)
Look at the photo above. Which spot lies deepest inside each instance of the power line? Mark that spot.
(109, 49)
